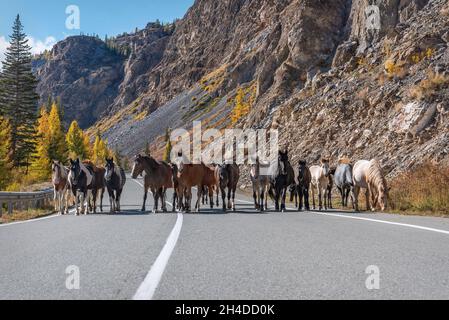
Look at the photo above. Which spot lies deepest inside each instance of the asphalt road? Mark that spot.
(242, 255)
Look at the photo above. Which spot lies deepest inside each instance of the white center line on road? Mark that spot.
(406, 225)
(149, 285)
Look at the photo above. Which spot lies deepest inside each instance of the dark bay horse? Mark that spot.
(82, 183)
(303, 187)
(228, 176)
(158, 178)
(281, 180)
(115, 180)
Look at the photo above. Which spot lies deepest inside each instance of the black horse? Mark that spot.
(304, 180)
(82, 182)
(281, 180)
(115, 179)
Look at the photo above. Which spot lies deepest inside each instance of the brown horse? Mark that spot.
(158, 178)
(190, 175)
(209, 185)
(227, 176)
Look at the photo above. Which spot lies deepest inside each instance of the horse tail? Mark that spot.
(270, 193)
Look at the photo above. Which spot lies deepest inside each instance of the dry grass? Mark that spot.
(424, 190)
(25, 215)
(429, 86)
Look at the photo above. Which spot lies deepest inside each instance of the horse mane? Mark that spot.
(151, 162)
(375, 176)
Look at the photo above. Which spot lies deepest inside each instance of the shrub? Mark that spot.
(423, 189)
(428, 86)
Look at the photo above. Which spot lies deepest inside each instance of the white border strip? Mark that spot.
(149, 285)
(406, 225)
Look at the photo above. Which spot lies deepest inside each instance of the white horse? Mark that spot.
(60, 182)
(368, 175)
(320, 183)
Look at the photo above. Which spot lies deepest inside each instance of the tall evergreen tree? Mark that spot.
(19, 100)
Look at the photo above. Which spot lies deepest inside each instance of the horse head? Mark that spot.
(223, 174)
(382, 196)
(325, 166)
(56, 172)
(75, 170)
(110, 168)
(138, 167)
(283, 162)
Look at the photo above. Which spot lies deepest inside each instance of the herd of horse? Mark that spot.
(274, 180)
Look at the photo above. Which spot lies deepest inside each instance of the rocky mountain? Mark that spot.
(365, 78)
(92, 76)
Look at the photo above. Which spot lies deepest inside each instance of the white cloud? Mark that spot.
(3, 45)
(37, 46)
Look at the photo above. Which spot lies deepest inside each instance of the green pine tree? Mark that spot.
(168, 147)
(19, 100)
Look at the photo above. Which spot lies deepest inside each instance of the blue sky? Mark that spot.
(45, 20)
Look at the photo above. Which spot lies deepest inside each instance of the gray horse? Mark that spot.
(344, 183)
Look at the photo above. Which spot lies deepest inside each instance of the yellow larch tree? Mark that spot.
(5, 153)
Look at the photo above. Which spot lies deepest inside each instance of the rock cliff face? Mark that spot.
(365, 78)
(93, 78)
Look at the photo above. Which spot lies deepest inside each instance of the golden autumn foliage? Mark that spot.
(5, 157)
(100, 150)
(244, 100)
(77, 142)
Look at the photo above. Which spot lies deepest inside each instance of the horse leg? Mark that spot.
(233, 198)
(94, 200)
(55, 200)
(156, 200)
(111, 200)
(356, 198)
(229, 198)
(320, 198)
(262, 194)
(283, 198)
(218, 195)
(145, 196)
(330, 198)
(313, 197)
(101, 199)
(223, 198)
(265, 191)
(368, 194)
(211, 197)
(164, 198)
(198, 201)
(255, 197)
(306, 198)
(119, 196)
